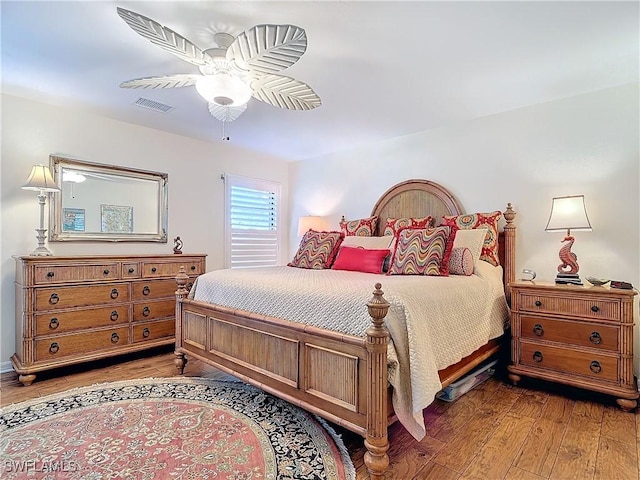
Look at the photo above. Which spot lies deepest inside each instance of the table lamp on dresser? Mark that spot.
(41, 181)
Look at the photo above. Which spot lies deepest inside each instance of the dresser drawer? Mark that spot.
(46, 275)
(192, 266)
(79, 343)
(154, 330)
(63, 322)
(597, 308)
(65, 297)
(567, 360)
(571, 332)
(131, 270)
(156, 309)
(154, 289)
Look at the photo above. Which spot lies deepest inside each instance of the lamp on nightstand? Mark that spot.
(568, 213)
(42, 182)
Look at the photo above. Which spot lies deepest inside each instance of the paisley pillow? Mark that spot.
(479, 220)
(393, 225)
(364, 227)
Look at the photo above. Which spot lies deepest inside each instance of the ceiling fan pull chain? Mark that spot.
(225, 138)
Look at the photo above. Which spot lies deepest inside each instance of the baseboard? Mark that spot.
(5, 367)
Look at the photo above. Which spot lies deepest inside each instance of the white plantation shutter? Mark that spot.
(252, 223)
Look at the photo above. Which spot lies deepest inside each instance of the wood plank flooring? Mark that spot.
(496, 431)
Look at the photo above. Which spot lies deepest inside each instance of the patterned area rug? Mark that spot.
(168, 428)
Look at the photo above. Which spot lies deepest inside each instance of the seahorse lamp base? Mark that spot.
(568, 269)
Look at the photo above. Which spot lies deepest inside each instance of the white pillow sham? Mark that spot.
(369, 243)
(473, 239)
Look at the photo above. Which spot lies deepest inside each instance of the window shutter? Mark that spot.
(252, 229)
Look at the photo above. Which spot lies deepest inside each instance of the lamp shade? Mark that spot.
(568, 213)
(41, 180)
(309, 222)
(224, 90)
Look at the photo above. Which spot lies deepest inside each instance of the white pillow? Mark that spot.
(370, 243)
(473, 239)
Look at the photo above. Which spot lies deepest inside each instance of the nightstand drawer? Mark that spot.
(576, 306)
(586, 334)
(568, 360)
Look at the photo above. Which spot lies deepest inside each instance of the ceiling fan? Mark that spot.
(236, 70)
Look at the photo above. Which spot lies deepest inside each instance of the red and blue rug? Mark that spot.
(169, 428)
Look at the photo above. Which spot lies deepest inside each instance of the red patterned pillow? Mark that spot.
(479, 220)
(317, 250)
(364, 227)
(423, 251)
(393, 225)
(360, 260)
(461, 261)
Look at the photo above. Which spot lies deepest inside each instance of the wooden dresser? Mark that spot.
(579, 336)
(73, 309)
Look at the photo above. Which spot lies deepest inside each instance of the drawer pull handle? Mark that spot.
(193, 268)
(114, 316)
(538, 330)
(50, 274)
(53, 323)
(154, 269)
(115, 338)
(537, 356)
(146, 332)
(538, 303)
(54, 298)
(595, 367)
(146, 290)
(595, 309)
(106, 272)
(595, 338)
(114, 293)
(54, 347)
(146, 312)
(131, 270)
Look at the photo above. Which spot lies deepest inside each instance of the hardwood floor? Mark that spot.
(494, 432)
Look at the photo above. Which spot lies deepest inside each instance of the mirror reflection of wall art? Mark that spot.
(116, 219)
(73, 219)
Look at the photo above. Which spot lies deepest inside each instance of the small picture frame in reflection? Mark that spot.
(73, 219)
(116, 219)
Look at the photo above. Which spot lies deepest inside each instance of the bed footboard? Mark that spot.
(339, 377)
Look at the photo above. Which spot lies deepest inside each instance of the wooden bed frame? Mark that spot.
(293, 361)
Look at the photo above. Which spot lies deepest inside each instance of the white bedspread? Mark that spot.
(434, 321)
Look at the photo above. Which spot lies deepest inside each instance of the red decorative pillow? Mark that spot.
(364, 227)
(479, 220)
(317, 250)
(360, 260)
(423, 251)
(393, 225)
(461, 261)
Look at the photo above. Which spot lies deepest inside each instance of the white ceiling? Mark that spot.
(382, 69)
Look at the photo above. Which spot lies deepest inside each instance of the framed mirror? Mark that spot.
(107, 203)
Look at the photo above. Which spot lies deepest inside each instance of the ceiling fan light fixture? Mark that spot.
(225, 90)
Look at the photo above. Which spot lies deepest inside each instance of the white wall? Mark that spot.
(581, 145)
(31, 131)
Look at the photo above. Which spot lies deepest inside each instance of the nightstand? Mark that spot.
(575, 335)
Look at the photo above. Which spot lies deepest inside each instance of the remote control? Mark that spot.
(620, 284)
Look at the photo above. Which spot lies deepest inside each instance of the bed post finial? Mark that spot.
(181, 279)
(376, 441)
(509, 250)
